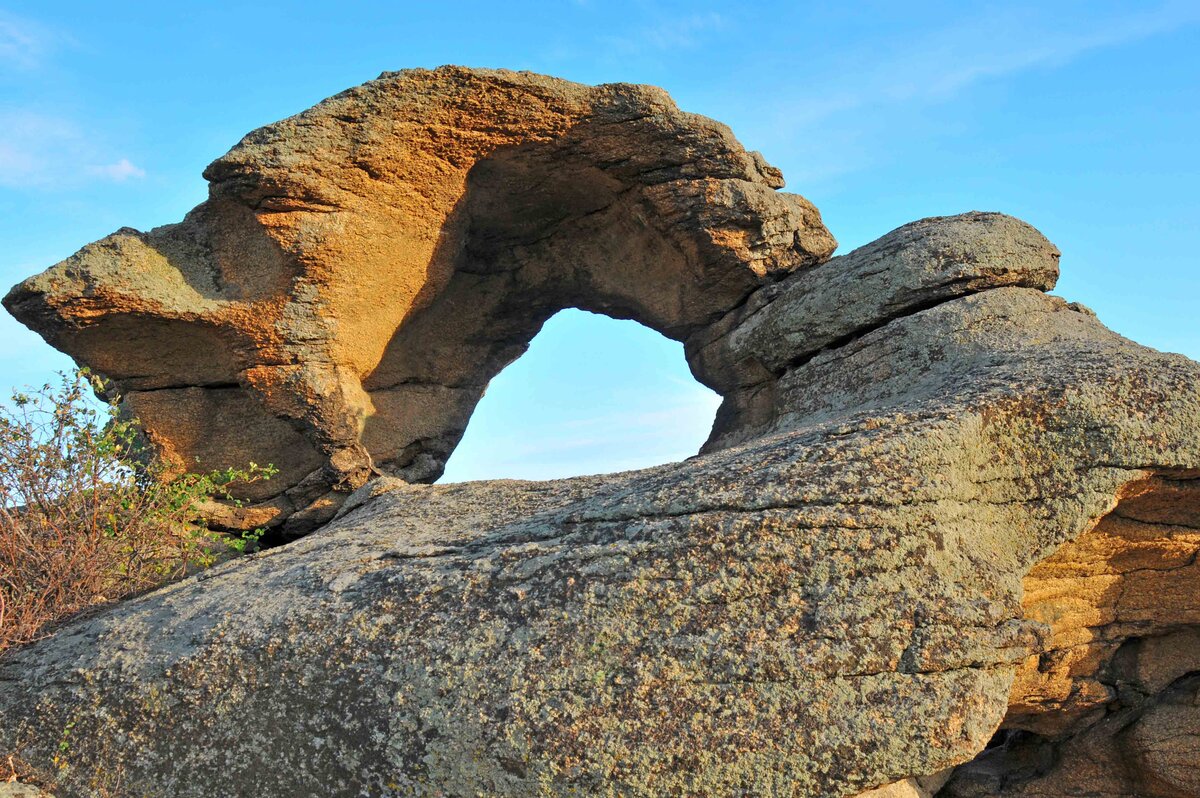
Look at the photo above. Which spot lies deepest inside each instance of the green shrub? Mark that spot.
(88, 515)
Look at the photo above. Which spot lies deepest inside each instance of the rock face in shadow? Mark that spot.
(362, 270)
(943, 540)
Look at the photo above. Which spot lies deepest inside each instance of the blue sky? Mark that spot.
(1082, 118)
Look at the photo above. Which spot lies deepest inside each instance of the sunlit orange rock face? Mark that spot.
(361, 270)
(1134, 576)
(1111, 704)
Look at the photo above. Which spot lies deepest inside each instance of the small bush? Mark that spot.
(87, 516)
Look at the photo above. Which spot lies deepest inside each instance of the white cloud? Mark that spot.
(43, 151)
(23, 43)
(668, 34)
(119, 172)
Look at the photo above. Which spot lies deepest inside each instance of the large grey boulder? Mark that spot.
(916, 266)
(829, 600)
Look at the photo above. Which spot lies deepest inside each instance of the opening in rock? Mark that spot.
(592, 395)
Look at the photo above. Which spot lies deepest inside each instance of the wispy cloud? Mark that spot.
(677, 33)
(992, 45)
(29, 145)
(118, 172)
(854, 93)
(41, 151)
(24, 43)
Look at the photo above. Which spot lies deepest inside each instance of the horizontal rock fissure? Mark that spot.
(804, 358)
(208, 386)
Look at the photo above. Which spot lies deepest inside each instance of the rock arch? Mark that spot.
(361, 270)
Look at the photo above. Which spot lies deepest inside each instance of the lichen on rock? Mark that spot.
(941, 541)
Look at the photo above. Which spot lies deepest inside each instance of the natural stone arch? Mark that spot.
(827, 601)
(543, 227)
(361, 270)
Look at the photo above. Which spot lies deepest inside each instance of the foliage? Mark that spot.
(88, 515)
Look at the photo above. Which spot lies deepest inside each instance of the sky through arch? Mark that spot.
(592, 395)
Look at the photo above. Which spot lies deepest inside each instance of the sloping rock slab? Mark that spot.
(827, 608)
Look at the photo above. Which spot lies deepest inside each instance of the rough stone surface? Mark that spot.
(361, 270)
(949, 531)
(1110, 707)
(921, 787)
(1135, 577)
(919, 265)
(908, 788)
(828, 607)
(1143, 746)
(13, 789)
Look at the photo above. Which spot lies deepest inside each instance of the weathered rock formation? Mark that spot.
(13, 789)
(1111, 704)
(361, 271)
(937, 502)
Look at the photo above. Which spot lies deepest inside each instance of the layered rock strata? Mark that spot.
(942, 541)
(1111, 705)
